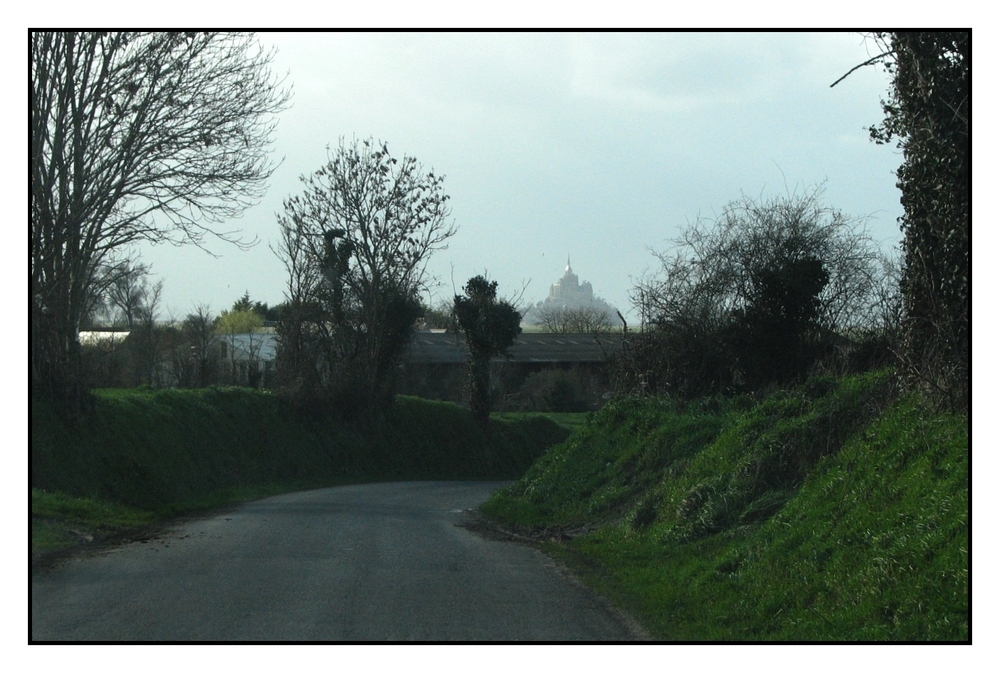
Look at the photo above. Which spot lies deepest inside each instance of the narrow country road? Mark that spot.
(380, 562)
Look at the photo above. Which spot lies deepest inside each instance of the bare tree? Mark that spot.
(356, 245)
(304, 336)
(134, 137)
(714, 267)
(126, 293)
(200, 337)
(552, 319)
(145, 336)
(759, 295)
(574, 320)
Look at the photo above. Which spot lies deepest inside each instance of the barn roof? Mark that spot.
(432, 348)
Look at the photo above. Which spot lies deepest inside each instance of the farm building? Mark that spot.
(436, 367)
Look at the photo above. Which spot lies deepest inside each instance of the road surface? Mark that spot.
(372, 562)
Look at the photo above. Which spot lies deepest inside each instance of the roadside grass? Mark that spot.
(159, 449)
(428, 439)
(60, 521)
(569, 420)
(829, 513)
(607, 464)
(144, 456)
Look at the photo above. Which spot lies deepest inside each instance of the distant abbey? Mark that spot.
(569, 293)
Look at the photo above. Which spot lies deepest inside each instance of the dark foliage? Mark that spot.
(555, 390)
(490, 326)
(772, 336)
(760, 297)
(928, 111)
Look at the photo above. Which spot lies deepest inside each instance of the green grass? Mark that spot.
(60, 521)
(569, 420)
(154, 454)
(818, 514)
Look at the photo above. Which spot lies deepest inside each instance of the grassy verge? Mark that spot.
(59, 521)
(818, 514)
(569, 420)
(144, 456)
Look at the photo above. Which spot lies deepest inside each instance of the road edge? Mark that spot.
(568, 562)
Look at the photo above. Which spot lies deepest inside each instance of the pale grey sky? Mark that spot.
(595, 145)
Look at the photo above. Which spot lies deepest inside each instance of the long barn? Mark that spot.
(436, 364)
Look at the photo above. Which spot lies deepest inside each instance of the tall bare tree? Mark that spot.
(146, 337)
(356, 244)
(199, 334)
(134, 137)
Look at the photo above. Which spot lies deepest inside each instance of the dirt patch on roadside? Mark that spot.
(475, 522)
(88, 541)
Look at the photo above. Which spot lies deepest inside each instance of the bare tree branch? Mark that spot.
(356, 244)
(871, 61)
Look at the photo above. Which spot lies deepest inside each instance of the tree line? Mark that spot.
(164, 137)
(129, 342)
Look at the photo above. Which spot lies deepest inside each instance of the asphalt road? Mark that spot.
(373, 562)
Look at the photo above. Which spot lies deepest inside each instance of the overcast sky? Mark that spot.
(595, 145)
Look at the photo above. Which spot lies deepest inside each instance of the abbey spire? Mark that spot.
(568, 293)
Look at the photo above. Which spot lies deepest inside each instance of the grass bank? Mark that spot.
(833, 512)
(571, 420)
(146, 455)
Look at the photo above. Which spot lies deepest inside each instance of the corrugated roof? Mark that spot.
(448, 348)
(95, 337)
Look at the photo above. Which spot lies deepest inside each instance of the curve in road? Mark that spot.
(372, 562)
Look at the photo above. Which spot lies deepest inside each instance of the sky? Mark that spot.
(597, 146)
